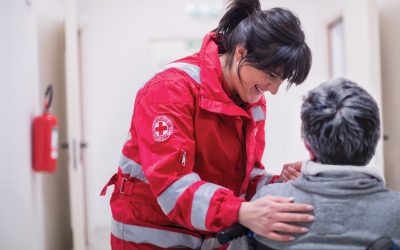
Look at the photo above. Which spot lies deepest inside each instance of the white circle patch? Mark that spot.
(162, 128)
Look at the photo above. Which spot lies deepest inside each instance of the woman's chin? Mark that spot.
(254, 99)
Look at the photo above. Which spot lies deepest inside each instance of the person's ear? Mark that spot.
(312, 156)
(240, 52)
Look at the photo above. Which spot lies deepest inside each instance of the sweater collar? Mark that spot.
(339, 180)
(315, 168)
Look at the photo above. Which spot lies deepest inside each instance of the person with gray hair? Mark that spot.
(340, 123)
(340, 128)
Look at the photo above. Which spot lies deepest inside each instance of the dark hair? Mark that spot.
(340, 123)
(273, 38)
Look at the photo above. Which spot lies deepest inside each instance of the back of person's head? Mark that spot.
(273, 38)
(340, 123)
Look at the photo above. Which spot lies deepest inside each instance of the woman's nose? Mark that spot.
(275, 87)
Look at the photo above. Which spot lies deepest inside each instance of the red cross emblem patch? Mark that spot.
(162, 128)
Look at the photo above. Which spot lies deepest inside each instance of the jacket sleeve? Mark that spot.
(164, 122)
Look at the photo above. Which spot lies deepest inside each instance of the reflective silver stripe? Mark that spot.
(256, 171)
(168, 198)
(201, 202)
(258, 113)
(154, 236)
(192, 70)
(132, 168)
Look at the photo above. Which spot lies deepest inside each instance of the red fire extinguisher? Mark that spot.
(45, 138)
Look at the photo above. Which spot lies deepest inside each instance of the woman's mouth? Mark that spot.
(258, 88)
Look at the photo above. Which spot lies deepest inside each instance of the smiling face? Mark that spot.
(253, 82)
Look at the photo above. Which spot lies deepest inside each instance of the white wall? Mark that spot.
(34, 206)
(390, 39)
(50, 18)
(21, 190)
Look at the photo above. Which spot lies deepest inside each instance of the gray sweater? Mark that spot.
(352, 207)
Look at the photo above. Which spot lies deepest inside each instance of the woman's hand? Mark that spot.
(291, 171)
(267, 215)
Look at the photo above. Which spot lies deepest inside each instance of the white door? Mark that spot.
(390, 37)
(74, 130)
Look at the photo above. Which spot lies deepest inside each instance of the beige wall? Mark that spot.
(390, 39)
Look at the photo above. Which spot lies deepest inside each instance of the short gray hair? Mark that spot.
(340, 123)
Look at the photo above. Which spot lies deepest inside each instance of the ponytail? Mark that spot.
(237, 10)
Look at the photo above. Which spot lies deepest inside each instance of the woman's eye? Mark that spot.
(272, 75)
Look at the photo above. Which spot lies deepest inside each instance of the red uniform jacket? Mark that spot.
(191, 157)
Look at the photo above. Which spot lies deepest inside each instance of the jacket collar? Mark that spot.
(213, 98)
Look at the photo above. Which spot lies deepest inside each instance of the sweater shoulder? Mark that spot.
(276, 189)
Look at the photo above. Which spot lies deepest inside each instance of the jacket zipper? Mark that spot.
(184, 158)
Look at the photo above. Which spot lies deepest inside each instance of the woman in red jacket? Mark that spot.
(192, 159)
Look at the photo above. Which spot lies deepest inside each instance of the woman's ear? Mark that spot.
(312, 156)
(240, 52)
